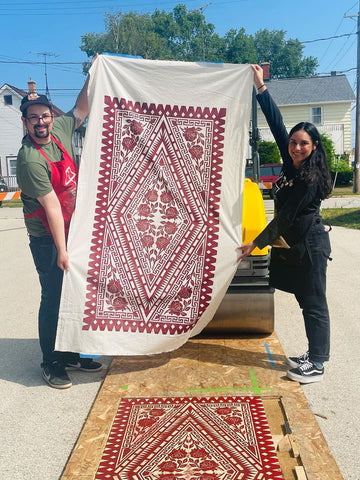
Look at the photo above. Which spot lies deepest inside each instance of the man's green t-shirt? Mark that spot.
(34, 173)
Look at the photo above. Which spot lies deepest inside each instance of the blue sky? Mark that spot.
(56, 27)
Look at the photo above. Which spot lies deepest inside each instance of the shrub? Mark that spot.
(337, 163)
(329, 150)
(344, 171)
(268, 153)
(343, 178)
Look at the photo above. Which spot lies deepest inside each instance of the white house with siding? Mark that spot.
(12, 131)
(325, 101)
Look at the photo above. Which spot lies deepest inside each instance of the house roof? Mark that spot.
(309, 90)
(22, 94)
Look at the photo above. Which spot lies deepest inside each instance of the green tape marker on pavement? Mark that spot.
(254, 383)
(224, 389)
(256, 390)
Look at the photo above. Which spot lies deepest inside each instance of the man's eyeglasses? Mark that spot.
(34, 119)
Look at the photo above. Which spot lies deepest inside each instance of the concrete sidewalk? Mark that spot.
(40, 425)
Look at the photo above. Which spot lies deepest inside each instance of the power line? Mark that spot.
(40, 63)
(340, 51)
(330, 43)
(28, 4)
(329, 38)
(60, 10)
(350, 8)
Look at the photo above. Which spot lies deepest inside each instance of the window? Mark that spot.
(77, 140)
(11, 165)
(8, 99)
(266, 171)
(249, 172)
(316, 115)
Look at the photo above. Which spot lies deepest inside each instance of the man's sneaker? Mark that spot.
(85, 365)
(308, 372)
(295, 362)
(55, 375)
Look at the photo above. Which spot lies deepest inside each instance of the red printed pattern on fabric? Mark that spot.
(217, 438)
(155, 230)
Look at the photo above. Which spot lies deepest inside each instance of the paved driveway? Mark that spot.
(39, 425)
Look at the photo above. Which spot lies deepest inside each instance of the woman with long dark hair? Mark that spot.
(300, 241)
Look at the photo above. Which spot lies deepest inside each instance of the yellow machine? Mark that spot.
(248, 305)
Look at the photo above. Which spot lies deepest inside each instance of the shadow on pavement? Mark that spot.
(20, 360)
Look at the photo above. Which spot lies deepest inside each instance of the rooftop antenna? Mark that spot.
(46, 54)
(201, 9)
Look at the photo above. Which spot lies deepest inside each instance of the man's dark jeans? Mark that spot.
(44, 254)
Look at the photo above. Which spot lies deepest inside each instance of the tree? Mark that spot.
(185, 35)
(284, 56)
(130, 34)
(240, 48)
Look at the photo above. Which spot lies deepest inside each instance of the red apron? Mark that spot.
(64, 175)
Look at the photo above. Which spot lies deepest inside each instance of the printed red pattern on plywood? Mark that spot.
(217, 438)
(155, 231)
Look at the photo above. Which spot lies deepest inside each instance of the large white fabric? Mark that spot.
(153, 239)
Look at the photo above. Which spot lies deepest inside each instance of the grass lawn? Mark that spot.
(342, 217)
(343, 191)
(12, 203)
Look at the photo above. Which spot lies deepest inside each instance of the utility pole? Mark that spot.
(46, 54)
(356, 186)
(254, 139)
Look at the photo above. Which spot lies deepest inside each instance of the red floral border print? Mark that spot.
(216, 438)
(155, 231)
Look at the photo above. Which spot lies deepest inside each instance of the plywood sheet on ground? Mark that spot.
(207, 367)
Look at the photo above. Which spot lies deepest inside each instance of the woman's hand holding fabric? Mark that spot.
(246, 250)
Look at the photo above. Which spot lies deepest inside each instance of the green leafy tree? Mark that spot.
(130, 34)
(268, 153)
(188, 36)
(240, 47)
(185, 35)
(285, 56)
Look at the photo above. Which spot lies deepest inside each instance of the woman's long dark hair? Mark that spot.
(315, 167)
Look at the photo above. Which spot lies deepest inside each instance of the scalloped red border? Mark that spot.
(90, 320)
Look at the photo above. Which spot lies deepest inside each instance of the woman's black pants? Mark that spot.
(314, 305)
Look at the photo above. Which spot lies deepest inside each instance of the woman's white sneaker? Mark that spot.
(308, 372)
(295, 362)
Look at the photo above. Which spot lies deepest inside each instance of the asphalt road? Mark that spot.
(39, 425)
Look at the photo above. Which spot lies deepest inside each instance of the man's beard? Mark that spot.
(43, 134)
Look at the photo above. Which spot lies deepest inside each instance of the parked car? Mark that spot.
(269, 173)
(3, 187)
